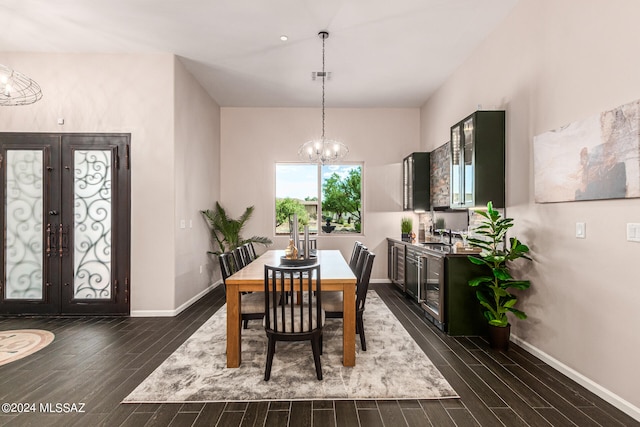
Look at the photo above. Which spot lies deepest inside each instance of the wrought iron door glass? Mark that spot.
(92, 224)
(24, 225)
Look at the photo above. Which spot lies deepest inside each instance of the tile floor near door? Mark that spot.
(99, 360)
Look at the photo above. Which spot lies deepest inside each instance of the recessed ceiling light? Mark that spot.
(284, 38)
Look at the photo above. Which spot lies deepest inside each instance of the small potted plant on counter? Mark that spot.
(406, 227)
(492, 290)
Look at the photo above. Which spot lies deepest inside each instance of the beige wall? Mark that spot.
(254, 139)
(197, 184)
(550, 63)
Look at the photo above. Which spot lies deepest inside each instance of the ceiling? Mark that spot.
(381, 53)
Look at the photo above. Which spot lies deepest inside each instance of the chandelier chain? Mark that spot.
(324, 74)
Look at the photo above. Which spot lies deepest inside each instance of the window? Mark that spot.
(327, 198)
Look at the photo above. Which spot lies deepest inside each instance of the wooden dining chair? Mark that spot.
(293, 322)
(252, 250)
(355, 253)
(332, 302)
(246, 253)
(251, 304)
(239, 257)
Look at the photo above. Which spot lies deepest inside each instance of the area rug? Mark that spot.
(393, 367)
(15, 345)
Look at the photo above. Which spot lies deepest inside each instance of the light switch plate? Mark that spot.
(581, 230)
(633, 232)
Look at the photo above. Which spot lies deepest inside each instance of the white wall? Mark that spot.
(550, 63)
(197, 184)
(255, 139)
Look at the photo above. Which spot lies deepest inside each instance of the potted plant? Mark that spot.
(493, 289)
(406, 227)
(226, 231)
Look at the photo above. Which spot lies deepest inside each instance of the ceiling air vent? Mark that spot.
(317, 75)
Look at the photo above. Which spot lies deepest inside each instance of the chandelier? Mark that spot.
(322, 150)
(16, 88)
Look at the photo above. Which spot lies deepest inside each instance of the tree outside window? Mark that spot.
(332, 193)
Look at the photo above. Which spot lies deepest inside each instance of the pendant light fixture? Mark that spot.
(16, 88)
(322, 150)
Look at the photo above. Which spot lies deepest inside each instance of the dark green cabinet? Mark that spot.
(478, 160)
(462, 311)
(416, 182)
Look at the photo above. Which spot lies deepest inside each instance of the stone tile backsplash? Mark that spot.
(440, 164)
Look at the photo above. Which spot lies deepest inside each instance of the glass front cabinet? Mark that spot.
(477, 160)
(416, 182)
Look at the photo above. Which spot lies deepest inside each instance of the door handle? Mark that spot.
(48, 251)
(53, 213)
(62, 240)
(51, 240)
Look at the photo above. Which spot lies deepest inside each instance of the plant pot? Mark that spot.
(406, 237)
(499, 337)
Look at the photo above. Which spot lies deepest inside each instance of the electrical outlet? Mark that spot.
(633, 232)
(201, 269)
(581, 230)
(183, 223)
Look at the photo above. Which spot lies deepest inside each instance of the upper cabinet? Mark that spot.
(478, 160)
(415, 182)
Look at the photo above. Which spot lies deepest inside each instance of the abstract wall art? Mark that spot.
(591, 159)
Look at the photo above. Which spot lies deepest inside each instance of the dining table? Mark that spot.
(335, 275)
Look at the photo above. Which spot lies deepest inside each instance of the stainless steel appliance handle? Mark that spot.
(393, 263)
(420, 266)
(419, 276)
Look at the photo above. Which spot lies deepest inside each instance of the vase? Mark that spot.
(499, 337)
(406, 237)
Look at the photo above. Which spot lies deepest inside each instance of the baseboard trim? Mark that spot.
(175, 312)
(607, 395)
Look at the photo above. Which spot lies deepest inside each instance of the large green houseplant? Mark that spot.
(226, 231)
(493, 289)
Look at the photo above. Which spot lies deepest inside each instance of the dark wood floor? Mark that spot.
(99, 360)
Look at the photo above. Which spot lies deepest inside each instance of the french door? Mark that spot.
(65, 223)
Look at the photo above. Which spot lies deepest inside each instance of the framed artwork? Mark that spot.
(591, 159)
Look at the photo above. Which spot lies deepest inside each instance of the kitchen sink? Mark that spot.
(437, 246)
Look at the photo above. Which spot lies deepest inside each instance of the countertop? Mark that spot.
(432, 246)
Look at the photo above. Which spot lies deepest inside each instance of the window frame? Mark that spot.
(319, 181)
